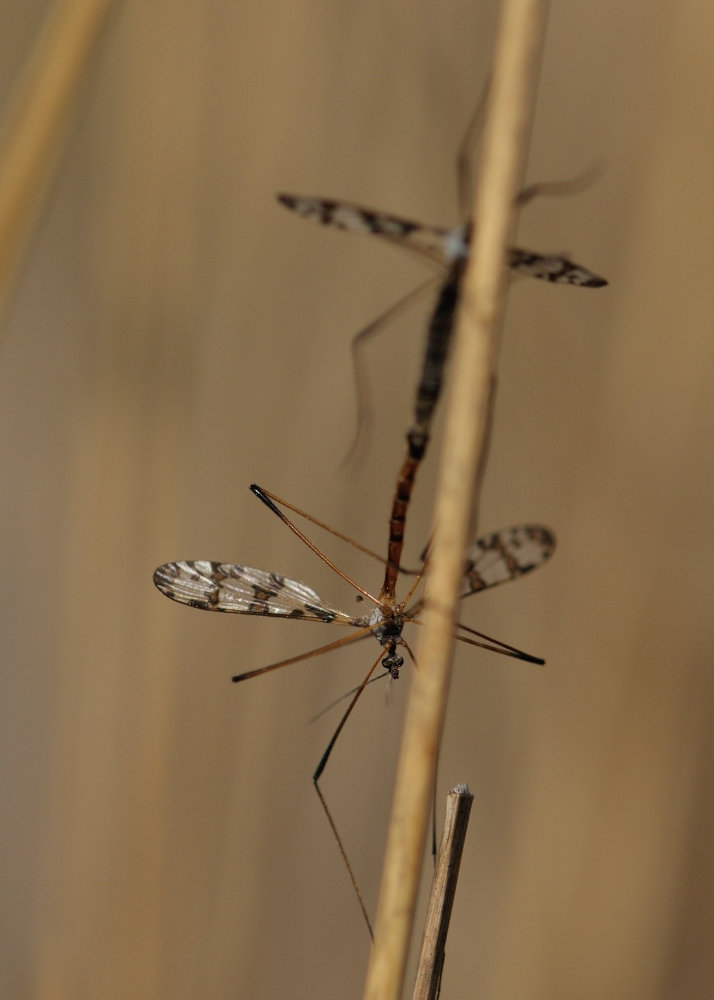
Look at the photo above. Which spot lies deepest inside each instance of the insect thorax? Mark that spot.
(456, 243)
(388, 633)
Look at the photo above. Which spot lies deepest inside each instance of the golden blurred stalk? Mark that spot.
(35, 121)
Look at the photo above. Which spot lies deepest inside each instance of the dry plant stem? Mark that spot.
(34, 122)
(443, 891)
(468, 402)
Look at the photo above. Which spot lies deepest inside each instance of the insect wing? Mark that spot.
(555, 268)
(430, 241)
(505, 555)
(243, 590)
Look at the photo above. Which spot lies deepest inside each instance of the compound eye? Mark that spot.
(393, 663)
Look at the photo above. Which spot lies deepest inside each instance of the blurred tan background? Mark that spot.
(174, 335)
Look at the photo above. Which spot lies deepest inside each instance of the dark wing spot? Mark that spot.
(322, 613)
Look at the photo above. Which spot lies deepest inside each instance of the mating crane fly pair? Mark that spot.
(502, 556)
(449, 250)
(491, 560)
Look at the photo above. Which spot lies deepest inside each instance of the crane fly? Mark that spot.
(493, 559)
(448, 249)
(439, 244)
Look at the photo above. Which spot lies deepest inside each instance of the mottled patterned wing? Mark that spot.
(505, 555)
(243, 590)
(555, 268)
(441, 245)
(430, 241)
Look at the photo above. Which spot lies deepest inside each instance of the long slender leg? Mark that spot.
(316, 782)
(559, 189)
(337, 644)
(262, 492)
(464, 156)
(496, 646)
(361, 381)
(344, 697)
(267, 500)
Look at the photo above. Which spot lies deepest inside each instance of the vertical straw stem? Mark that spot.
(468, 407)
(443, 891)
(39, 108)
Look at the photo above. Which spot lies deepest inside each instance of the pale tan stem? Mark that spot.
(468, 405)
